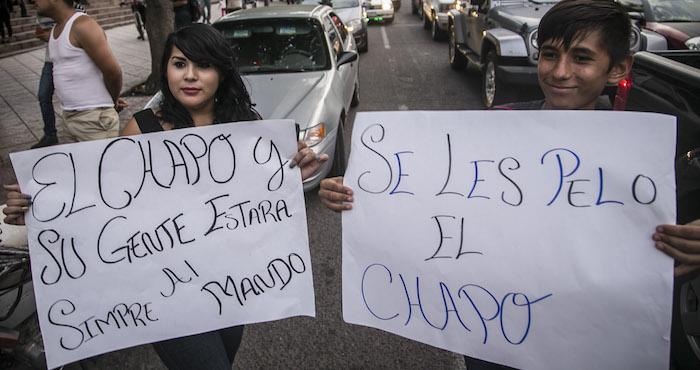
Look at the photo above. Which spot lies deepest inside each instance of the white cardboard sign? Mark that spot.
(144, 238)
(521, 238)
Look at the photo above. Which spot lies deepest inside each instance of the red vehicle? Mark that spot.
(667, 24)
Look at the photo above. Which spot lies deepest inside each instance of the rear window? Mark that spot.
(277, 45)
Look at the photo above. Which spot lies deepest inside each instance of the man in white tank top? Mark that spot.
(87, 77)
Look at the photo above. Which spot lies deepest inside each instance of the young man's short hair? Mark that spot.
(571, 19)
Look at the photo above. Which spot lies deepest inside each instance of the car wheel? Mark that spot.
(356, 94)
(493, 89)
(435, 30)
(365, 44)
(338, 168)
(389, 20)
(457, 60)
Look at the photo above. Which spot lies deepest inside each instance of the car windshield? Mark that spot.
(337, 4)
(277, 45)
(674, 10)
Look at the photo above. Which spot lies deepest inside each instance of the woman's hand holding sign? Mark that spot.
(307, 160)
(17, 205)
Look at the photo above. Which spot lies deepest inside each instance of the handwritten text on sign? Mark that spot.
(150, 237)
(521, 238)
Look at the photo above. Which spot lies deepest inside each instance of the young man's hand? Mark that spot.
(335, 195)
(682, 243)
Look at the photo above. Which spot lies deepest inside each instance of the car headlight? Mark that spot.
(533, 39)
(693, 44)
(314, 135)
(387, 5)
(354, 24)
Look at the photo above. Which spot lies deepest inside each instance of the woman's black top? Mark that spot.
(147, 121)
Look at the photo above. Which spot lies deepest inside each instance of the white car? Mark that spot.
(299, 62)
(379, 10)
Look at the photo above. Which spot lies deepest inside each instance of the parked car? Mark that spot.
(352, 14)
(666, 24)
(299, 62)
(379, 10)
(434, 16)
(500, 38)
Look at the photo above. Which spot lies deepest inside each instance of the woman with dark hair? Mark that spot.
(201, 86)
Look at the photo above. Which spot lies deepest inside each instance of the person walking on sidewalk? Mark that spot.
(22, 8)
(45, 93)
(5, 20)
(205, 5)
(86, 75)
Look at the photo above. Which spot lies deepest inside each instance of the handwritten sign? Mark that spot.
(145, 238)
(521, 238)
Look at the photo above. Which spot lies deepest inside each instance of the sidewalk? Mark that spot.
(21, 125)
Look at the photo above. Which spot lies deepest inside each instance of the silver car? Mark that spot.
(299, 62)
(434, 16)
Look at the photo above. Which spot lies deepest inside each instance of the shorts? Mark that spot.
(92, 124)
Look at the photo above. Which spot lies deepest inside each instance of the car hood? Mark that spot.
(348, 14)
(287, 95)
(514, 16)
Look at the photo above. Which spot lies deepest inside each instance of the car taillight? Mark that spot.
(623, 92)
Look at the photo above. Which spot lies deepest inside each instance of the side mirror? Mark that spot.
(637, 16)
(346, 57)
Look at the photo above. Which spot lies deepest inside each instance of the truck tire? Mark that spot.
(457, 60)
(493, 89)
(435, 32)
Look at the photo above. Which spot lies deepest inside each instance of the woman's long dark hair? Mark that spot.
(201, 43)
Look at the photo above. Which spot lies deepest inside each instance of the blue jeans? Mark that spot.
(206, 9)
(45, 96)
(213, 350)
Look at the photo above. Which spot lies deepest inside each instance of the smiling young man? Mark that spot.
(584, 45)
